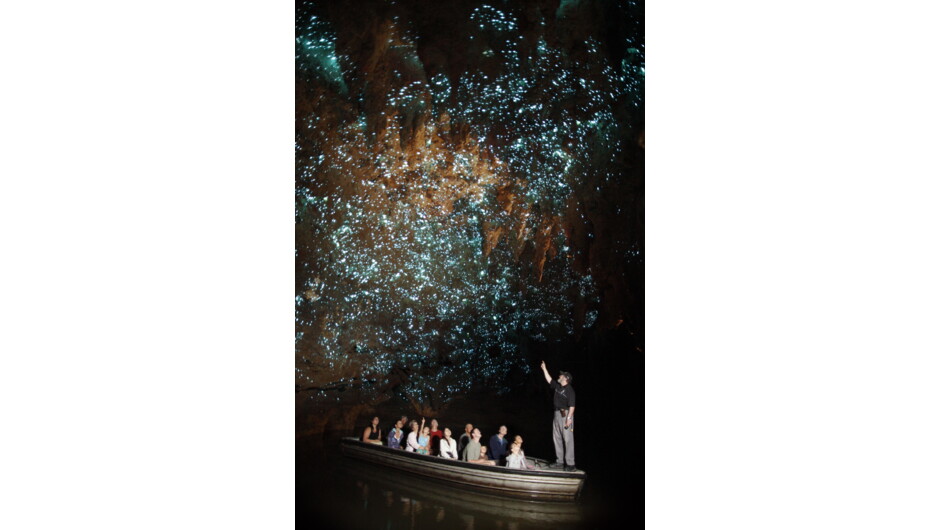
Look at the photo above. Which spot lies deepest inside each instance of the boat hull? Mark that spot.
(541, 484)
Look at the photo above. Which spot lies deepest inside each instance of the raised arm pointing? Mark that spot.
(548, 378)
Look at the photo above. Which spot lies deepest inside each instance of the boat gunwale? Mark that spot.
(578, 475)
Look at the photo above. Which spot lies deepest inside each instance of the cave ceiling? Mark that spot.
(469, 183)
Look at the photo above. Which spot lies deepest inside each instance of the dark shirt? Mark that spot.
(564, 395)
(462, 442)
(498, 447)
(436, 442)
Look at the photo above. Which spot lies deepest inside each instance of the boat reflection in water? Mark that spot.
(416, 502)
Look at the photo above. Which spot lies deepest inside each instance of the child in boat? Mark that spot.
(483, 459)
(515, 459)
(424, 441)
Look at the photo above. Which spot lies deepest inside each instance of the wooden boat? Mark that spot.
(431, 494)
(541, 483)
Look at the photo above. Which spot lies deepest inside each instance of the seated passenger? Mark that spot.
(499, 445)
(518, 440)
(448, 446)
(436, 436)
(472, 449)
(395, 436)
(515, 460)
(411, 443)
(424, 441)
(464, 438)
(404, 424)
(372, 434)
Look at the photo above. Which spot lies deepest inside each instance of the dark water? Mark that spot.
(334, 491)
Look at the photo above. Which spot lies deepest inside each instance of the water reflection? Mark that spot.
(426, 495)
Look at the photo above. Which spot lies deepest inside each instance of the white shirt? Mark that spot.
(515, 461)
(449, 449)
(412, 442)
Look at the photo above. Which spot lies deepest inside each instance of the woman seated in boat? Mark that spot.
(424, 440)
(483, 458)
(395, 436)
(412, 442)
(372, 434)
(448, 446)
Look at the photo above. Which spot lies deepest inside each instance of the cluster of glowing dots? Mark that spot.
(393, 283)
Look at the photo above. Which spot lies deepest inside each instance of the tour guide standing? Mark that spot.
(563, 423)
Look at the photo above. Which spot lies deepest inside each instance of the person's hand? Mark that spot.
(568, 422)
(543, 365)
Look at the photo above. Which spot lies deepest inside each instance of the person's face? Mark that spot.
(468, 429)
(433, 425)
(398, 424)
(426, 431)
(563, 380)
(514, 448)
(414, 425)
(375, 420)
(518, 440)
(476, 434)
(503, 430)
(483, 452)
(446, 432)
